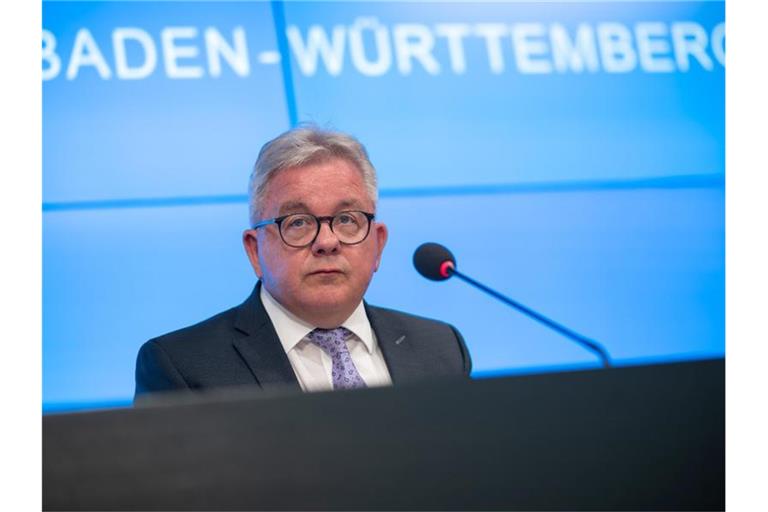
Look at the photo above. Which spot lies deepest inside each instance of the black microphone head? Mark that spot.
(434, 261)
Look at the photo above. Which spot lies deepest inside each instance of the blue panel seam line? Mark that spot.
(278, 15)
(674, 182)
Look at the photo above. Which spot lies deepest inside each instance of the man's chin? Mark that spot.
(329, 292)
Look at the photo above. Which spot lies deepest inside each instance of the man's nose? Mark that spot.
(326, 241)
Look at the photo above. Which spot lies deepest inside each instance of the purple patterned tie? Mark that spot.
(334, 343)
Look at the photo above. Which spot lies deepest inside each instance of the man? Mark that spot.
(314, 244)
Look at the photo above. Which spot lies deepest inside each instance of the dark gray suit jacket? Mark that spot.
(240, 347)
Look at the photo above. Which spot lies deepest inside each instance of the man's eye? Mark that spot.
(299, 222)
(348, 219)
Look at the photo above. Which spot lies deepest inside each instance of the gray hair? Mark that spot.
(306, 145)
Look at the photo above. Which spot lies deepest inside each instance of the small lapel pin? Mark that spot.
(399, 340)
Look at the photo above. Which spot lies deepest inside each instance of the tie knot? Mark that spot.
(330, 340)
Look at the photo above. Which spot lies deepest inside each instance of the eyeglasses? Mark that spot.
(301, 229)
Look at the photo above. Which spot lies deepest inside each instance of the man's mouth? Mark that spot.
(326, 271)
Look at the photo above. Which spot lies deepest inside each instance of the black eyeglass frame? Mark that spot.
(319, 220)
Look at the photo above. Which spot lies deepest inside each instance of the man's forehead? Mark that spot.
(305, 189)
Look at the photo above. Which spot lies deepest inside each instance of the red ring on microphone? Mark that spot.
(444, 266)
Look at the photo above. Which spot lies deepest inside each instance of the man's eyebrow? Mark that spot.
(301, 207)
(293, 207)
(348, 203)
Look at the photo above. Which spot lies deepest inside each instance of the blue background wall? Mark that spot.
(587, 184)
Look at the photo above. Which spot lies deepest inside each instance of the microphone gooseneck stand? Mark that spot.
(437, 263)
(590, 345)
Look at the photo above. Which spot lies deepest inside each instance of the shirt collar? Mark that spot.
(359, 324)
(292, 329)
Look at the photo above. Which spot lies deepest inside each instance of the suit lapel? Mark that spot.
(257, 343)
(396, 345)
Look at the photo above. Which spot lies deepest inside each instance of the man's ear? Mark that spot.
(381, 233)
(251, 245)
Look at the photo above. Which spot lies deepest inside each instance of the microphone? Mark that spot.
(436, 262)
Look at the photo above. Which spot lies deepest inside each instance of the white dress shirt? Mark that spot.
(311, 364)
